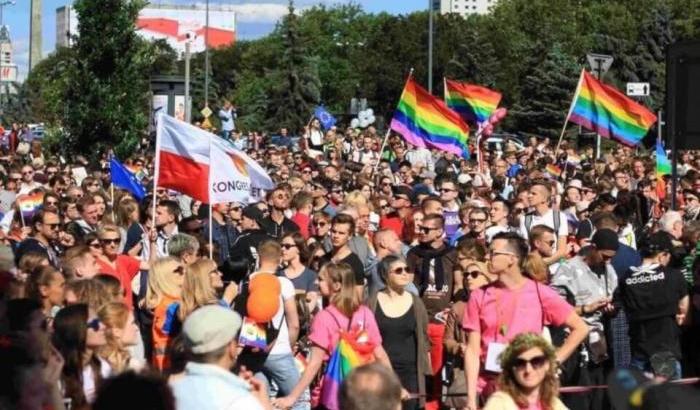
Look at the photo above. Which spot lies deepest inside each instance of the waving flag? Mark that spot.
(29, 205)
(473, 102)
(122, 178)
(663, 164)
(605, 110)
(425, 121)
(324, 117)
(204, 166)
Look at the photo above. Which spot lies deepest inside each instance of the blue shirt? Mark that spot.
(210, 387)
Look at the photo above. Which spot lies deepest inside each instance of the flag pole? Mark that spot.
(111, 192)
(211, 205)
(571, 108)
(156, 169)
(388, 131)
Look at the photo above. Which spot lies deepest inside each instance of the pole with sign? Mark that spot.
(600, 64)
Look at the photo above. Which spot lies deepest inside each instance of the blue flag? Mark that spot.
(123, 178)
(324, 117)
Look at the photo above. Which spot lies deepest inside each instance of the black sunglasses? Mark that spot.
(536, 362)
(94, 324)
(288, 246)
(474, 274)
(427, 229)
(107, 241)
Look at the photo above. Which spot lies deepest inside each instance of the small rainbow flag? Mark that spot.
(252, 335)
(30, 204)
(605, 110)
(473, 102)
(573, 160)
(425, 121)
(353, 350)
(663, 164)
(553, 170)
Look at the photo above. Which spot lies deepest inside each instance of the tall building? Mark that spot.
(8, 69)
(466, 7)
(35, 33)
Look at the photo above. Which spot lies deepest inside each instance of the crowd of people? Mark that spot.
(464, 283)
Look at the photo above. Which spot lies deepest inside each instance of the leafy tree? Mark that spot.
(546, 93)
(107, 88)
(297, 86)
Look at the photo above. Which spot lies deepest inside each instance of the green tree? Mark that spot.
(107, 88)
(296, 82)
(546, 93)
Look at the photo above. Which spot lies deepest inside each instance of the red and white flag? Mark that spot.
(204, 166)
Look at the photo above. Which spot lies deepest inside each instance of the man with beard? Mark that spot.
(45, 228)
(277, 224)
(433, 262)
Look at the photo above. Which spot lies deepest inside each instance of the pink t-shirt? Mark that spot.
(516, 311)
(325, 332)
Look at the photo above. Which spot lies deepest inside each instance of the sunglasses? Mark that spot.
(427, 229)
(306, 171)
(107, 241)
(288, 246)
(474, 274)
(53, 226)
(236, 208)
(447, 190)
(401, 270)
(51, 203)
(536, 362)
(320, 224)
(94, 324)
(180, 270)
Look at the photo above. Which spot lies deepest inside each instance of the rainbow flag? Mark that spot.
(574, 160)
(473, 102)
(352, 350)
(553, 170)
(252, 335)
(605, 110)
(425, 121)
(30, 204)
(663, 164)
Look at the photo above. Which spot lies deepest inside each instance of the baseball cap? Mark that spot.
(252, 212)
(210, 328)
(606, 240)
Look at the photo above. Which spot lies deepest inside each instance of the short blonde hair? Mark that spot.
(159, 284)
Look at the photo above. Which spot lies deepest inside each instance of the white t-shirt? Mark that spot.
(287, 292)
(89, 388)
(546, 219)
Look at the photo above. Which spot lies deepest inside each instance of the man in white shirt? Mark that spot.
(276, 365)
(420, 156)
(539, 197)
(28, 184)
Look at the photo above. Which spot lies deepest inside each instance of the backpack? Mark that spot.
(253, 358)
(352, 350)
(556, 215)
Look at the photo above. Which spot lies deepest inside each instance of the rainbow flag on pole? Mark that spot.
(30, 204)
(425, 121)
(473, 102)
(605, 110)
(663, 164)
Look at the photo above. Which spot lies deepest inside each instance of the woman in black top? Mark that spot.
(402, 321)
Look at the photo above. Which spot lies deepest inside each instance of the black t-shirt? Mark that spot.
(355, 263)
(650, 296)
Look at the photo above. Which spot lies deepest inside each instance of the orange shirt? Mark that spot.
(164, 318)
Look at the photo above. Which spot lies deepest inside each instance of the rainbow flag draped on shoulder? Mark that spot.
(425, 121)
(605, 110)
(473, 102)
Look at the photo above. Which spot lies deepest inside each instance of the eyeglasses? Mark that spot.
(427, 229)
(53, 226)
(386, 183)
(401, 270)
(447, 190)
(493, 254)
(94, 324)
(51, 203)
(474, 274)
(536, 362)
(107, 241)
(306, 171)
(27, 173)
(477, 221)
(320, 224)
(288, 246)
(180, 270)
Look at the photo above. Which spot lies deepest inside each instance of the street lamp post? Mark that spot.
(206, 56)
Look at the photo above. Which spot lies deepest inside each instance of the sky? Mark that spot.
(254, 19)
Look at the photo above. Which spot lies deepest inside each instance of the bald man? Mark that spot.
(386, 243)
(371, 387)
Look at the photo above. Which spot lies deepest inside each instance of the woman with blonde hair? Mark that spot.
(202, 286)
(163, 295)
(121, 333)
(355, 199)
(345, 313)
(529, 377)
